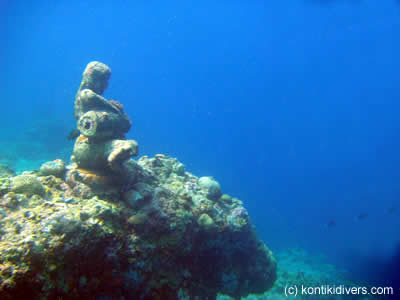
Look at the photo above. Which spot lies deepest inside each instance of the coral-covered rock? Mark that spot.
(55, 168)
(116, 228)
(159, 239)
(26, 184)
(211, 187)
(6, 170)
(206, 222)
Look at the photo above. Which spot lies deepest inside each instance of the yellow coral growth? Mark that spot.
(91, 178)
(81, 139)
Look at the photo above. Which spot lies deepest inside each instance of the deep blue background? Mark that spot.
(292, 106)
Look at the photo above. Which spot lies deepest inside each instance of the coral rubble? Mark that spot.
(110, 227)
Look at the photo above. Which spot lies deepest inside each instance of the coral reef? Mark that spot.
(6, 170)
(55, 167)
(109, 227)
(299, 268)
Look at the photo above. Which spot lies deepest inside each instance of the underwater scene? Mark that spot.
(200, 150)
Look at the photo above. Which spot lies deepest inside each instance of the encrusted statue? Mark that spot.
(101, 148)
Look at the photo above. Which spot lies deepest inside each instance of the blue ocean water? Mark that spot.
(291, 105)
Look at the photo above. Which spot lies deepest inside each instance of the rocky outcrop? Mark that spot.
(107, 226)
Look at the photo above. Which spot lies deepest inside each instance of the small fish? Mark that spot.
(392, 210)
(73, 134)
(362, 216)
(331, 224)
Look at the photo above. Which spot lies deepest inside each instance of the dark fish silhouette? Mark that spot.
(331, 224)
(362, 216)
(73, 134)
(392, 210)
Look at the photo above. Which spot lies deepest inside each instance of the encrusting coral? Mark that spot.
(110, 227)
